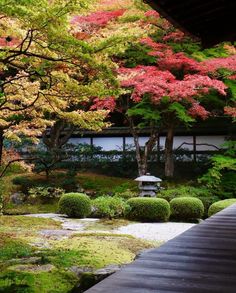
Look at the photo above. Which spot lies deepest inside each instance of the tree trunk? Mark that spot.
(143, 155)
(1, 145)
(169, 156)
(57, 137)
(142, 164)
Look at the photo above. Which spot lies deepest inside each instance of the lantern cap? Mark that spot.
(148, 178)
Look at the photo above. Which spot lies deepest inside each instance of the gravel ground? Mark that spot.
(149, 231)
(155, 231)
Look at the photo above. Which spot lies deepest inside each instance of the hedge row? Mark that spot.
(79, 205)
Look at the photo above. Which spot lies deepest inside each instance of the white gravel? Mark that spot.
(150, 231)
(155, 231)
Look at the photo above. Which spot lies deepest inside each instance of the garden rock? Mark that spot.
(56, 234)
(89, 279)
(34, 268)
(79, 271)
(17, 198)
(25, 260)
(101, 274)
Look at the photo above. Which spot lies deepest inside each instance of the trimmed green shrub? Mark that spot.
(148, 209)
(186, 208)
(75, 205)
(108, 207)
(220, 205)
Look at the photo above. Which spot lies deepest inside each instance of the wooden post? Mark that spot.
(158, 149)
(194, 149)
(91, 146)
(124, 148)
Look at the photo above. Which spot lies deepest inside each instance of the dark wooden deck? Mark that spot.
(202, 259)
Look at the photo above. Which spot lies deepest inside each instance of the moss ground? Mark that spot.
(19, 236)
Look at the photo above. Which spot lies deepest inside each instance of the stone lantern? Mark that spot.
(148, 185)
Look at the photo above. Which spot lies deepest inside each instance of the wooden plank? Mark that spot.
(201, 260)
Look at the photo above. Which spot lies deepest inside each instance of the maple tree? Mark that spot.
(47, 72)
(171, 91)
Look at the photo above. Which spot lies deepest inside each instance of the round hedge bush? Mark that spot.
(220, 205)
(148, 209)
(75, 205)
(186, 208)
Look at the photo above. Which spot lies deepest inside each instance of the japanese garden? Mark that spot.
(117, 134)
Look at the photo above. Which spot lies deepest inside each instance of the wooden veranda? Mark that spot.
(201, 260)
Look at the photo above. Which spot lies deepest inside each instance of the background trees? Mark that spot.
(176, 83)
(48, 74)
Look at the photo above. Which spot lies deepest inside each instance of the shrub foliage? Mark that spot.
(148, 209)
(108, 207)
(44, 194)
(186, 208)
(75, 205)
(220, 205)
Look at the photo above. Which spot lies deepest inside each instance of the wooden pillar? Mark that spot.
(194, 149)
(91, 146)
(158, 149)
(124, 147)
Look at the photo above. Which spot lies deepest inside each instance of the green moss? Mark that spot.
(13, 248)
(45, 282)
(106, 224)
(220, 205)
(89, 251)
(22, 222)
(104, 184)
(95, 250)
(11, 209)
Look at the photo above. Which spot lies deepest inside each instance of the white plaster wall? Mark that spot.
(142, 140)
(178, 140)
(116, 143)
(109, 143)
(77, 140)
(216, 140)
